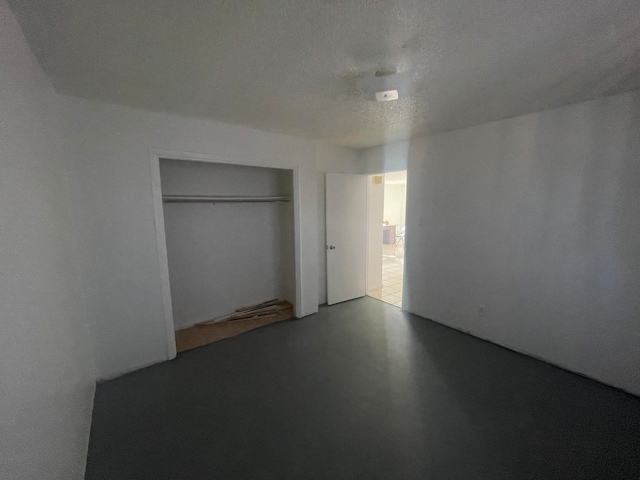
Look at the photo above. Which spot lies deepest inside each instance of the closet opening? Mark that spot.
(230, 248)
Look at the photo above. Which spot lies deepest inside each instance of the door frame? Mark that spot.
(161, 240)
(404, 242)
(370, 176)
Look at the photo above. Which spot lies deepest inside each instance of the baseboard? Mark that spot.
(111, 376)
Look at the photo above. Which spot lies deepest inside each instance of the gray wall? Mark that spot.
(228, 255)
(536, 218)
(113, 199)
(112, 187)
(46, 372)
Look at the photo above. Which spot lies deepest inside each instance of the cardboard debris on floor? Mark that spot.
(242, 320)
(265, 309)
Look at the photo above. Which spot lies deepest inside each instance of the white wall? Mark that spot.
(226, 255)
(394, 204)
(46, 372)
(329, 159)
(375, 211)
(115, 215)
(535, 217)
(391, 157)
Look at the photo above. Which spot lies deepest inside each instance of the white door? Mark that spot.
(346, 212)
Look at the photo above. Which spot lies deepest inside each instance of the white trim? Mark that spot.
(369, 226)
(297, 238)
(367, 245)
(161, 243)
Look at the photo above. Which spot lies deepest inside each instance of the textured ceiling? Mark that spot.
(293, 66)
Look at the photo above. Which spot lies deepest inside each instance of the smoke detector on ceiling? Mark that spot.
(386, 96)
(386, 85)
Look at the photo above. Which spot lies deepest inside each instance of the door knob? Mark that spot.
(331, 247)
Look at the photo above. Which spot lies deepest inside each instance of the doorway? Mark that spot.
(365, 236)
(387, 195)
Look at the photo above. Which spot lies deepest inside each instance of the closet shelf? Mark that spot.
(221, 199)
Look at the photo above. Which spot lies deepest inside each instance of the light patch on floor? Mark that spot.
(392, 276)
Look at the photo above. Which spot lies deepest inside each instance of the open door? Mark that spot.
(346, 216)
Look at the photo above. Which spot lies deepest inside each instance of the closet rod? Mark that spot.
(220, 199)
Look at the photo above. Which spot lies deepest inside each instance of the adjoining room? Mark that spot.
(391, 276)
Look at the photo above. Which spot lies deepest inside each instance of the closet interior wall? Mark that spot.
(223, 256)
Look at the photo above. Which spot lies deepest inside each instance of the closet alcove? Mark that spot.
(229, 235)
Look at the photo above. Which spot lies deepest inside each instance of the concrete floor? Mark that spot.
(361, 390)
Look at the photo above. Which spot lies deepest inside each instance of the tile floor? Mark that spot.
(392, 270)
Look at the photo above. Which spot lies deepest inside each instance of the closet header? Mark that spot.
(220, 199)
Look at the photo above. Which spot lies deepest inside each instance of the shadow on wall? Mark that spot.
(489, 388)
(534, 218)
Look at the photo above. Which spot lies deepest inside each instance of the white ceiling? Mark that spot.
(292, 65)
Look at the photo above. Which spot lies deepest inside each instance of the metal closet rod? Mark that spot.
(220, 199)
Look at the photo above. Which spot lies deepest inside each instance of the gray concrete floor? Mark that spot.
(361, 390)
